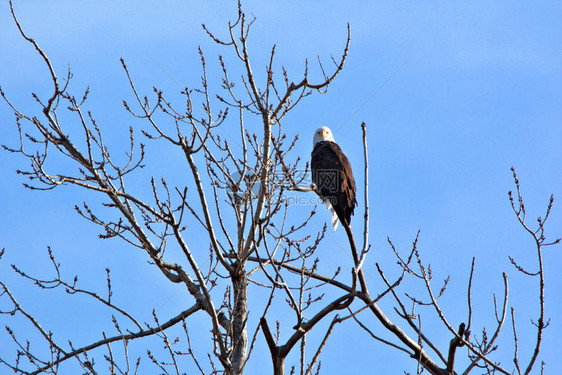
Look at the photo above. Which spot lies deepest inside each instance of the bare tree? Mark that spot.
(237, 197)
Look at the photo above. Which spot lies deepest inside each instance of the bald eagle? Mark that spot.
(331, 173)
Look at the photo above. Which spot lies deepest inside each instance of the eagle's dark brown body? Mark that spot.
(331, 173)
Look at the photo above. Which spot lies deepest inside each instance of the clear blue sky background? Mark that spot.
(453, 95)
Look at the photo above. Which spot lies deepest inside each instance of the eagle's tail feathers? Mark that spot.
(335, 220)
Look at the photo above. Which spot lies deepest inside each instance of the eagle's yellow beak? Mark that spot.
(324, 133)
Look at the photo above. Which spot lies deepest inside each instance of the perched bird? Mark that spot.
(331, 173)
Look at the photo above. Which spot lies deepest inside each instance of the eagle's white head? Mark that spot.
(322, 134)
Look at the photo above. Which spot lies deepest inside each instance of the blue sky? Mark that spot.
(453, 94)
